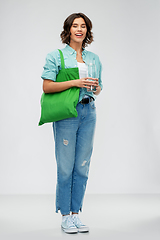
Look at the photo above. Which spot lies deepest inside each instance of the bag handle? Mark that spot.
(62, 59)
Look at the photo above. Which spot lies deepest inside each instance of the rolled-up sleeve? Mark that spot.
(50, 68)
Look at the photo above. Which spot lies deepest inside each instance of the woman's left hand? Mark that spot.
(98, 89)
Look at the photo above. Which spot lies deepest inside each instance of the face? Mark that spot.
(78, 30)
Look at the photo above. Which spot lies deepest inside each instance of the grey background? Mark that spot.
(127, 140)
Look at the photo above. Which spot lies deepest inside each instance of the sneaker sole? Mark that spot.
(83, 230)
(71, 231)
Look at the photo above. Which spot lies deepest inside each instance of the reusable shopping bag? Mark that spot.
(60, 105)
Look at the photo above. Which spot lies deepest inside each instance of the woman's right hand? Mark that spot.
(85, 82)
(50, 86)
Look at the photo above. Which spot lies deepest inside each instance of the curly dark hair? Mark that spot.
(65, 34)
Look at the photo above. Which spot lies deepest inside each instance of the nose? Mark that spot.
(79, 28)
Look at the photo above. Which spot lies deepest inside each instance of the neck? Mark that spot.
(76, 46)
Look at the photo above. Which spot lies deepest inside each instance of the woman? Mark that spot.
(74, 136)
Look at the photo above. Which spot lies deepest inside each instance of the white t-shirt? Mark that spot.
(83, 72)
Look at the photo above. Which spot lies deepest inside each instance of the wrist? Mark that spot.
(73, 83)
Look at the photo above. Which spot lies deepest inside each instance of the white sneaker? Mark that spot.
(68, 225)
(77, 222)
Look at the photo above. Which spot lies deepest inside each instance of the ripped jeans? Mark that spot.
(73, 150)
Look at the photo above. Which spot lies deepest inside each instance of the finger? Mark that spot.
(88, 87)
(95, 79)
(94, 83)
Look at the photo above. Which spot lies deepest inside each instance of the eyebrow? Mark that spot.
(77, 24)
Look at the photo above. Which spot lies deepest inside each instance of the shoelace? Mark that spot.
(77, 220)
(70, 222)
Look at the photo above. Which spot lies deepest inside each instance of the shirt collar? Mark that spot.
(71, 50)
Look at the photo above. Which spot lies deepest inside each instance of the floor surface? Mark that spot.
(110, 216)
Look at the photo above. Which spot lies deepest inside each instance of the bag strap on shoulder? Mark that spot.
(62, 59)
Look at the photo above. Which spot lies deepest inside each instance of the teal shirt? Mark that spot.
(53, 65)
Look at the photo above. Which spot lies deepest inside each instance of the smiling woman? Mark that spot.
(78, 30)
(72, 22)
(74, 136)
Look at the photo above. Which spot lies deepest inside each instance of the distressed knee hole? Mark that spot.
(65, 142)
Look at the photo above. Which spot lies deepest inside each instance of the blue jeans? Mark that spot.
(73, 149)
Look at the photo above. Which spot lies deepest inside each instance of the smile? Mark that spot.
(79, 35)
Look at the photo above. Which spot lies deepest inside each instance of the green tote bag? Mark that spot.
(60, 105)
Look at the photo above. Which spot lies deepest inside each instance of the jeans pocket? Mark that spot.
(92, 104)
